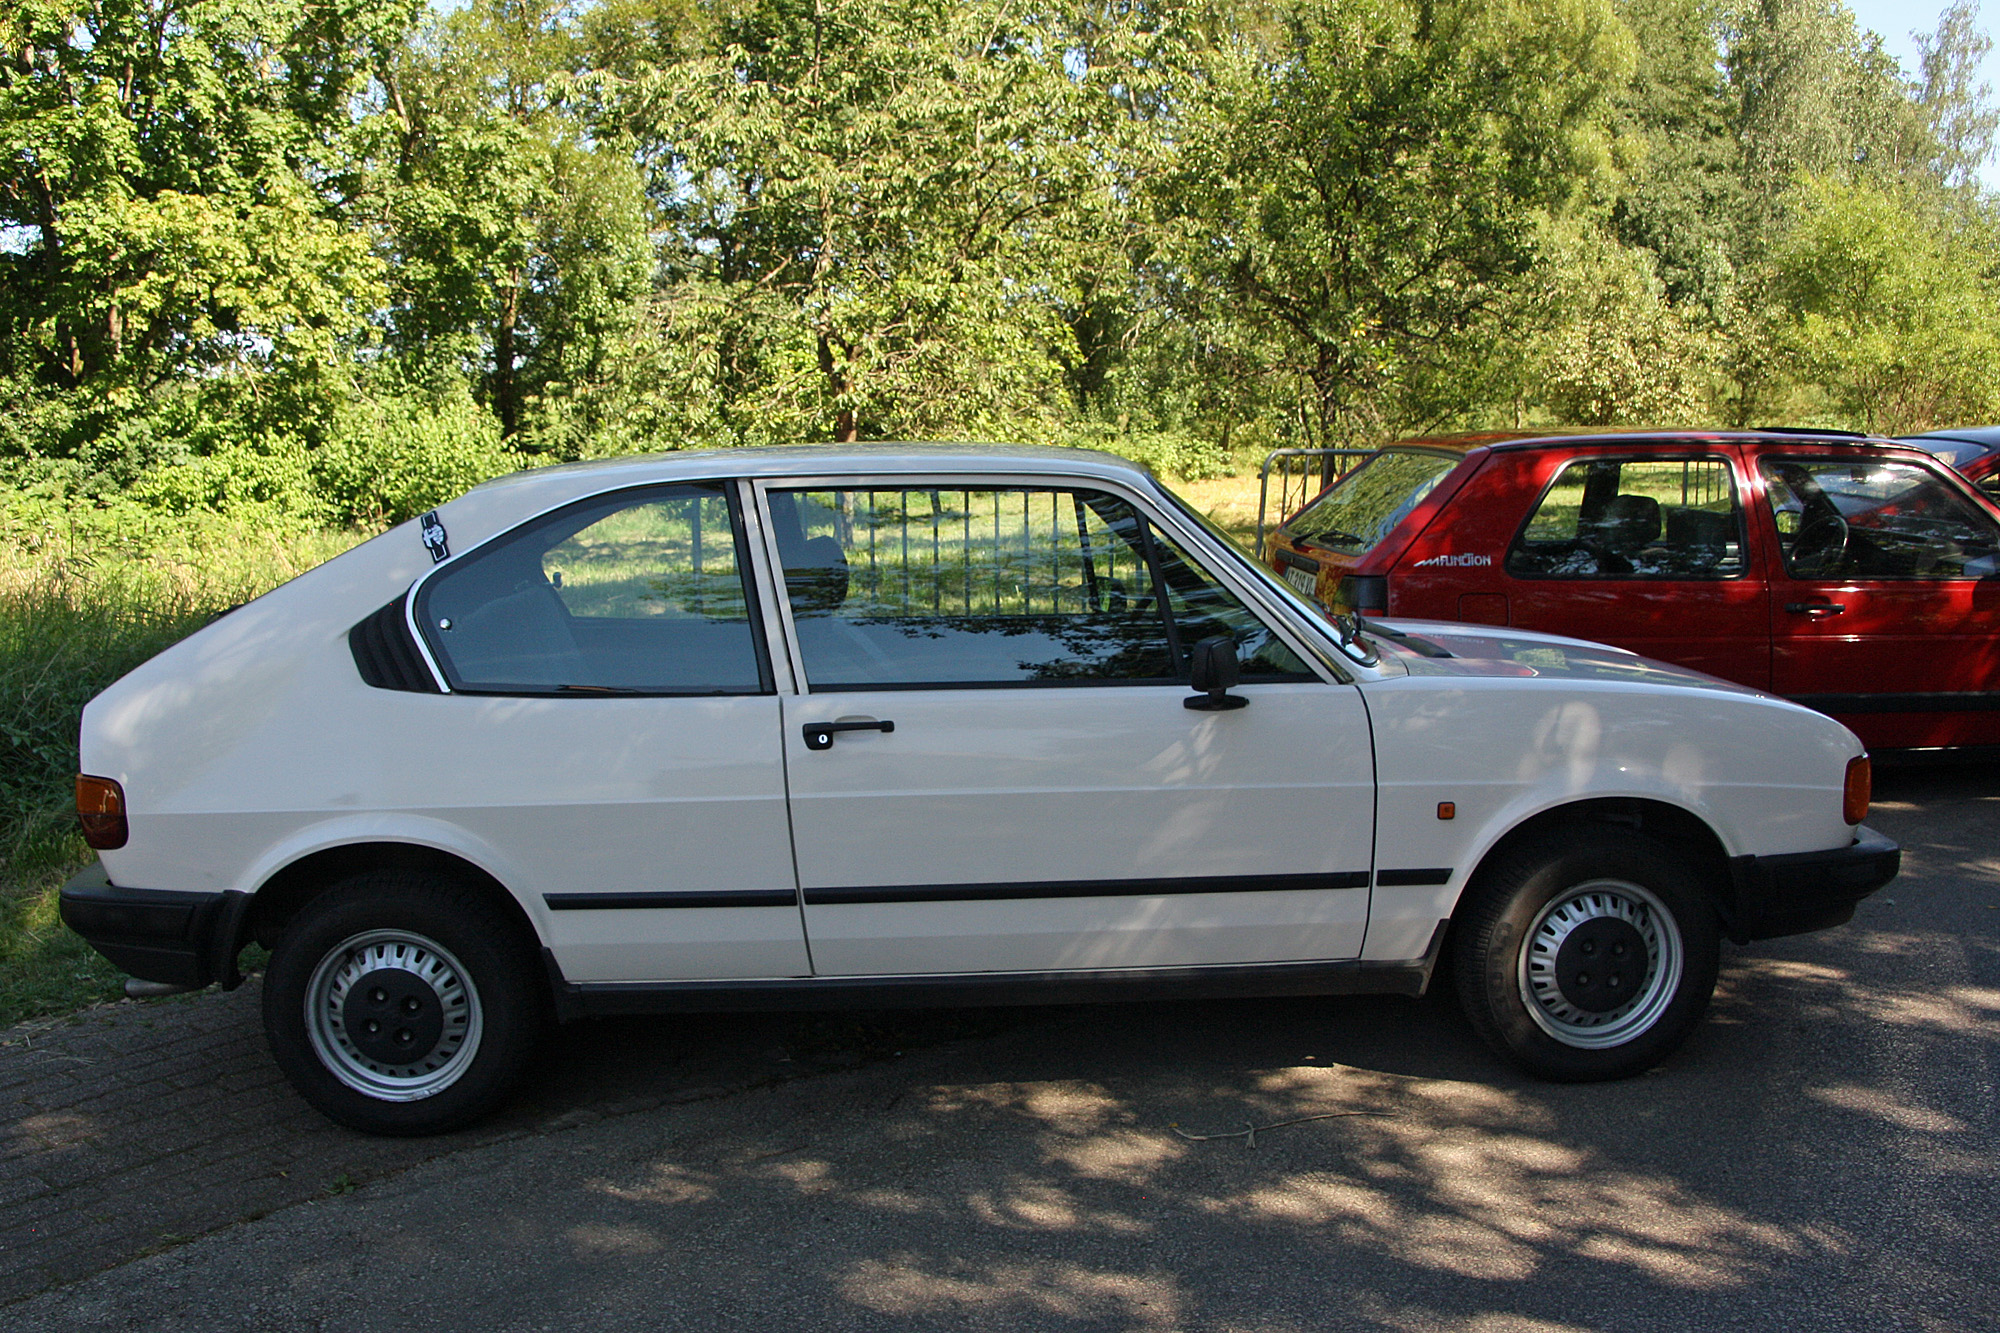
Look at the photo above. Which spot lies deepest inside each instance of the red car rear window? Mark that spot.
(1359, 510)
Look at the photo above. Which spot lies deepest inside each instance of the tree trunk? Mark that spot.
(506, 391)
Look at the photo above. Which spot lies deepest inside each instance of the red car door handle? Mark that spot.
(1816, 608)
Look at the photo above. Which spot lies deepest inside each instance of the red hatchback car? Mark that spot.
(1856, 576)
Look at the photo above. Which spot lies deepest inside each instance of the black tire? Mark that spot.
(402, 1003)
(1587, 953)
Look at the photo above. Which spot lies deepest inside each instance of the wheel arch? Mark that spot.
(1662, 821)
(281, 896)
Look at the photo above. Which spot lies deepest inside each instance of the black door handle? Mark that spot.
(819, 735)
(1816, 608)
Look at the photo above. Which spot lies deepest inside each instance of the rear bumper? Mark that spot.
(182, 939)
(1789, 895)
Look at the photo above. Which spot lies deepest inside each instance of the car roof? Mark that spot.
(1572, 436)
(819, 459)
(1986, 435)
(1958, 445)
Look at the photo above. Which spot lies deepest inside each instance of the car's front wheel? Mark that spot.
(1586, 954)
(401, 1003)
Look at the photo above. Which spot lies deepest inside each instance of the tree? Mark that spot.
(1363, 188)
(1961, 114)
(1892, 308)
(870, 204)
(517, 236)
(175, 178)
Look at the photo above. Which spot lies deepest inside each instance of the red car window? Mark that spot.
(1872, 519)
(1625, 518)
(1359, 510)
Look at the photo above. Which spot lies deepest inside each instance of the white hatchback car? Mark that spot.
(888, 725)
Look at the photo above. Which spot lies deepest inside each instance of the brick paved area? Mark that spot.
(133, 1127)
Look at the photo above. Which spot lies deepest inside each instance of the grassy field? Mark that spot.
(72, 621)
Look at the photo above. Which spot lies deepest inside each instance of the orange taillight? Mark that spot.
(1860, 786)
(100, 808)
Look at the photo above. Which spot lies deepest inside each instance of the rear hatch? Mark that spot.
(1322, 551)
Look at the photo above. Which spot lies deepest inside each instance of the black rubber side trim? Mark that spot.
(1400, 879)
(1851, 705)
(596, 902)
(1346, 977)
(1089, 888)
(386, 653)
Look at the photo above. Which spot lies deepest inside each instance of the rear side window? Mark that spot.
(1875, 519)
(1359, 510)
(634, 593)
(1650, 518)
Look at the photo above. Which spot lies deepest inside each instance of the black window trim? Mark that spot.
(731, 491)
(1736, 495)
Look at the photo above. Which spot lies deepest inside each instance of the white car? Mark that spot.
(893, 724)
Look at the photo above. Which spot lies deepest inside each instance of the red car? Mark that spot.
(1854, 575)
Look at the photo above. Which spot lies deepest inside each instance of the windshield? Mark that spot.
(1358, 510)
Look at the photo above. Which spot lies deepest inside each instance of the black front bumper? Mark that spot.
(182, 939)
(1789, 895)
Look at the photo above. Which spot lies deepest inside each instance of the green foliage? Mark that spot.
(867, 195)
(393, 457)
(1367, 186)
(1889, 308)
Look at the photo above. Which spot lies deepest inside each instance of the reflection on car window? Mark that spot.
(640, 593)
(1358, 510)
(990, 587)
(1875, 519)
(1608, 518)
(1203, 608)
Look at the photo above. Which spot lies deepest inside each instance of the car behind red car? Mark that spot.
(1853, 575)
(1973, 450)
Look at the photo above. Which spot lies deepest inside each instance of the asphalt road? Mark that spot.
(1822, 1155)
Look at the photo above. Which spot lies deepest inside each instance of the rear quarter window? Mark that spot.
(1625, 518)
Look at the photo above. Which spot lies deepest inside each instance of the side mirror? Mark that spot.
(1212, 668)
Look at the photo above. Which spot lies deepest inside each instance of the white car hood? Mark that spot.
(1496, 651)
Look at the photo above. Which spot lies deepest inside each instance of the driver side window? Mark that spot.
(1868, 518)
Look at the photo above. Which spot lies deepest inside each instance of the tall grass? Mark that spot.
(71, 622)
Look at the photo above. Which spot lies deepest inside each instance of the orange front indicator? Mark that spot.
(1860, 786)
(100, 808)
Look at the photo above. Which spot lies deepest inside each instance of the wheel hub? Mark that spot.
(1601, 964)
(393, 1016)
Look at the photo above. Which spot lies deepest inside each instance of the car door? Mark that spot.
(611, 734)
(991, 768)
(1885, 607)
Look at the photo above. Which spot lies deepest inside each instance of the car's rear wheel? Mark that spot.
(1586, 954)
(401, 1003)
